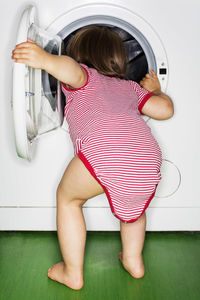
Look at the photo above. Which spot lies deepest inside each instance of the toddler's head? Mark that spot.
(100, 48)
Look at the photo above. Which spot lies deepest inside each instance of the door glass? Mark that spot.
(43, 102)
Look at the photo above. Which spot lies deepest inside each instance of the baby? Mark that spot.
(115, 151)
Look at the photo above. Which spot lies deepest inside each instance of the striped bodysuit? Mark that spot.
(114, 142)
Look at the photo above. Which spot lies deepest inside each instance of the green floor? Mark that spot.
(172, 262)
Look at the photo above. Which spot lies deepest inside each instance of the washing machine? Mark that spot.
(35, 143)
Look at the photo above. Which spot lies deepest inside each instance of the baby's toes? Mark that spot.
(49, 271)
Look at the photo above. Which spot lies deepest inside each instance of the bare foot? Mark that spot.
(134, 266)
(59, 273)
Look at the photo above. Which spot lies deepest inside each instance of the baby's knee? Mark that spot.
(62, 194)
(66, 196)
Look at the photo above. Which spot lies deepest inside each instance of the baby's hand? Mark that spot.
(151, 83)
(31, 54)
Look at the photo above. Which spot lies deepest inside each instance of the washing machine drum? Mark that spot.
(137, 63)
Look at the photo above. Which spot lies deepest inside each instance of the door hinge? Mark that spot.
(29, 94)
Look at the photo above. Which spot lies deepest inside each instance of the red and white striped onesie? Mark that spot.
(114, 142)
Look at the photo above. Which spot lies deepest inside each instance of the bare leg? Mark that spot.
(76, 186)
(132, 236)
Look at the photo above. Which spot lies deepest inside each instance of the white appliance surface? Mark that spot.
(28, 189)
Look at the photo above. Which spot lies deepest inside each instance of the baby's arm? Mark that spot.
(63, 68)
(159, 106)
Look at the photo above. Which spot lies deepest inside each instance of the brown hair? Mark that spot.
(100, 48)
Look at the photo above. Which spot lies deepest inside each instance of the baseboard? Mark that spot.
(99, 219)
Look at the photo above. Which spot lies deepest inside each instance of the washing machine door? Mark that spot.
(36, 94)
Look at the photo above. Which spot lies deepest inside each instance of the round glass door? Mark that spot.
(43, 111)
(36, 107)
